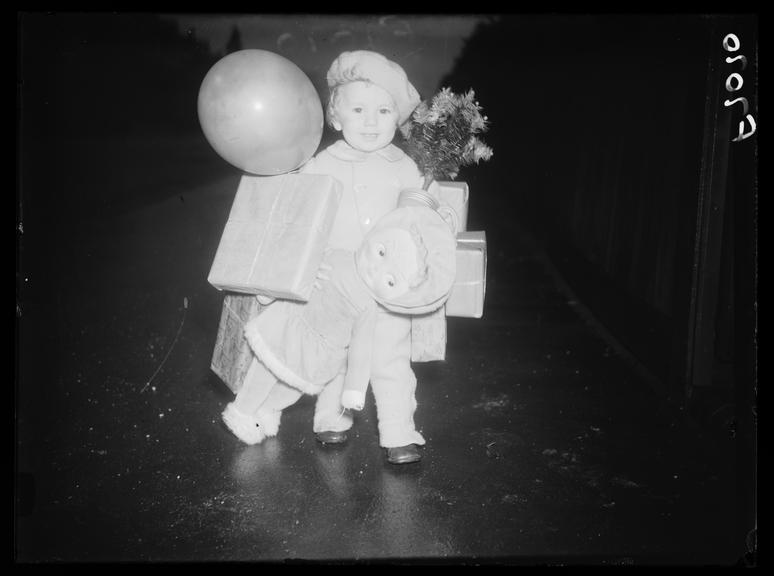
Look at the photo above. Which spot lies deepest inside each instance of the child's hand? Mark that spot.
(353, 399)
(322, 274)
(264, 300)
(450, 216)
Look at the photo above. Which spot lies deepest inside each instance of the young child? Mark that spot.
(406, 263)
(370, 98)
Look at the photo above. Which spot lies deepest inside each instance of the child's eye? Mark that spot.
(386, 111)
(357, 109)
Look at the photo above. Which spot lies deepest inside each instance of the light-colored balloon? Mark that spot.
(260, 112)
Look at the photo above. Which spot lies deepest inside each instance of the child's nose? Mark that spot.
(370, 119)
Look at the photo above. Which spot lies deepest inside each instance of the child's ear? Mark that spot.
(336, 125)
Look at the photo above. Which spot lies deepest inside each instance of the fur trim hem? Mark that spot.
(282, 372)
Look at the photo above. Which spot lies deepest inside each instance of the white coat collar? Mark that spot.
(343, 151)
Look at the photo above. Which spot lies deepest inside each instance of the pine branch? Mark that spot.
(442, 135)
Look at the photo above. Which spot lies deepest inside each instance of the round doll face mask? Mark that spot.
(387, 261)
(366, 115)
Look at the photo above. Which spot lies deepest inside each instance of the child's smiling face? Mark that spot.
(387, 261)
(366, 116)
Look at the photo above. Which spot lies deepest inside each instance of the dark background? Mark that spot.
(603, 125)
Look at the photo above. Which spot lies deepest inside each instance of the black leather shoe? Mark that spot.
(403, 454)
(331, 437)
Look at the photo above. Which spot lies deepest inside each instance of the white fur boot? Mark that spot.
(247, 429)
(268, 421)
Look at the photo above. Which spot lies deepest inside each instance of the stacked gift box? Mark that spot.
(275, 235)
(466, 299)
(232, 354)
(272, 245)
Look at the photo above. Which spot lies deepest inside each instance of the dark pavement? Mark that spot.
(544, 444)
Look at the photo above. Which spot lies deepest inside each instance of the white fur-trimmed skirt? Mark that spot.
(294, 352)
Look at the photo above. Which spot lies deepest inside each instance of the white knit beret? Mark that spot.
(375, 68)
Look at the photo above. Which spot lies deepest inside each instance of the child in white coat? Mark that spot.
(406, 263)
(370, 99)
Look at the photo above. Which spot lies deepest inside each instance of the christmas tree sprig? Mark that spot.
(441, 135)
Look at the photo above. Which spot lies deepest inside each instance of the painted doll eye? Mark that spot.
(381, 251)
(390, 282)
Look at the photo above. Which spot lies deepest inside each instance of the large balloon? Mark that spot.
(260, 112)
